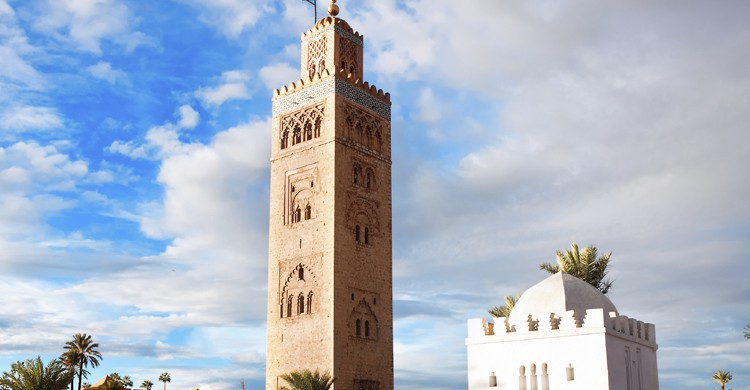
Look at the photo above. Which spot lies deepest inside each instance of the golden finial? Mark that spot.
(333, 9)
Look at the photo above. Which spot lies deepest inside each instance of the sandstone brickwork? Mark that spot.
(330, 304)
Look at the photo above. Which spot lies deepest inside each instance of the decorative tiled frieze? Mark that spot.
(320, 90)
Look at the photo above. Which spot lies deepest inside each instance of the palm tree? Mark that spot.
(70, 359)
(85, 353)
(308, 380)
(164, 377)
(747, 332)
(126, 381)
(722, 377)
(33, 375)
(584, 265)
(147, 384)
(504, 310)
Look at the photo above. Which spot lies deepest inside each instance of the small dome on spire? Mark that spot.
(333, 9)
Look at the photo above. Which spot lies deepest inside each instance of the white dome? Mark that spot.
(557, 294)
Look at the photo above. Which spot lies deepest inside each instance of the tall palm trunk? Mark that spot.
(80, 374)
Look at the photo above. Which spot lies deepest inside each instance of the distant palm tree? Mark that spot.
(585, 265)
(164, 377)
(147, 385)
(747, 332)
(33, 375)
(308, 380)
(85, 353)
(126, 381)
(69, 358)
(722, 377)
(504, 310)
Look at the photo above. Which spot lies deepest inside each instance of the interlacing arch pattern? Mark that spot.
(364, 128)
(316, 56)
(297, 294)
(303, 125)
(348, 50)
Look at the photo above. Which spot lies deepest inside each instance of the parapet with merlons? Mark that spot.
(319, 77)
(327, 22)
(546, 324)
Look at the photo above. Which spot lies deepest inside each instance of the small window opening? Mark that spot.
(297, 215)
(359, 327)
(290, 302)
(374, 301)
(352, 296)
(367, 328)
(356, 233)
(367, 235)
(281, 310)
(312, 184)
(308, 212)
(309, 302)
(301, 304)
(301, 274)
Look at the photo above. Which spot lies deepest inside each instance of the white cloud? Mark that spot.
(231, 17)
(429, 109)
(161, 141)
(84, 24)
(277, 75)
(26, 118)
(104, 71)
(188, 117)
(232, 88)
(214, 236)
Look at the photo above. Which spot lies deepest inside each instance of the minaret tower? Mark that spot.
(330, 304)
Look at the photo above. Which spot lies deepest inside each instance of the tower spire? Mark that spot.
(333, 9)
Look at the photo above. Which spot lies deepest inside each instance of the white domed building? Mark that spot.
(562, 334)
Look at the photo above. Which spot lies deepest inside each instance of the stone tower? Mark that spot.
(330, 304)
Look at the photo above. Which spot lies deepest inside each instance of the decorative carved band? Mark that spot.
(321, 90)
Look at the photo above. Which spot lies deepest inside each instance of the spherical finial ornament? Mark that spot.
(333, 9)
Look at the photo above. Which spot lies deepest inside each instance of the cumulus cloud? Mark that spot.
(231, 17)
(160, 141)
(26, 118)
(85, 24)
(277, 75)
(232, 87)
(213, 237)
(104, 71)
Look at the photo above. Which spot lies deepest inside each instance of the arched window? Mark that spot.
(290, 303)
(281, 310)
(312, 70)
(301, 273)
(297, 135)
(297, 215)
(284, 140)
(308, 131)
(301, 304)
(378, 142)
(369, 179)
(356, 233)
(356, 174)
(308, 212)
(367, 328)
(318, 124)
(367, 235)
(309, 302)
(359, 327)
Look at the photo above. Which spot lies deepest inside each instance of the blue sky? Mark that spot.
(134, 149)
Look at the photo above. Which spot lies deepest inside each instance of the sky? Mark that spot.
(134, 171)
